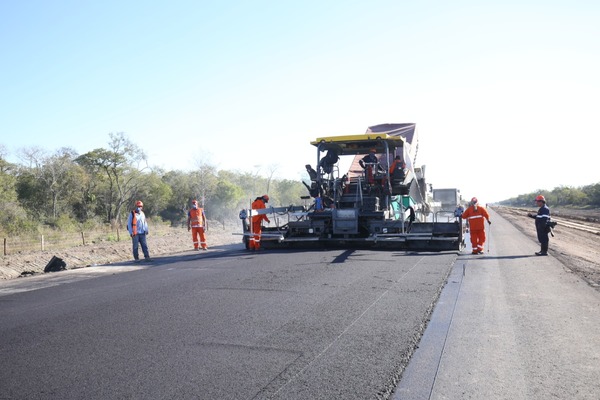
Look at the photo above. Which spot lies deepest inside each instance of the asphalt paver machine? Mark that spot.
(355, 201)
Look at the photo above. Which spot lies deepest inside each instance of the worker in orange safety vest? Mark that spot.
(258, 204)
(196, 222)
(397, 169)
(475, 215)
(138, 230)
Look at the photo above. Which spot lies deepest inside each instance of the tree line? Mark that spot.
(563, 196)
(72, 192)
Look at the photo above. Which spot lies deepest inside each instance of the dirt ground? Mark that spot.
(176, 241)
(579, 251)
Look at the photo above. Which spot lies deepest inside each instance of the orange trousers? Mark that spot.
(198, 231)
(477, 240)
(254, 242)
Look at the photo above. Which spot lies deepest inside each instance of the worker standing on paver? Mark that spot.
(542, 218)
(370, 163)
(196, 222)
(138, 230)
(397, 169)
(258, 204)
(475, 215)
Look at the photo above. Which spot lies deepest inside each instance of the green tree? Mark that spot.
(204, 183)
(289, 192)
(199, 184)
(8, 180)
(154, 192)
(123, 165)
(30, 187)
(567, 195)
(225, 200)
(58, 178)
(13, 218)
(50, 186)
(251, 184)
(593, 194)
(181, 191)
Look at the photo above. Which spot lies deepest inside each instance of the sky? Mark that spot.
(505, 95)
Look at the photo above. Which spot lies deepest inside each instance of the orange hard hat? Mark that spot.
(540, 198)
(139, 204)
(265, 197)
(195, 201)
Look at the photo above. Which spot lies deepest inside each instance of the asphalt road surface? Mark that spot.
(225, 324)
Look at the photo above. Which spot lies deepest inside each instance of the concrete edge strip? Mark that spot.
(418, 379)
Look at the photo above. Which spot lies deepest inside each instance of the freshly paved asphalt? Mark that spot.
(307, 325)
(225, 324)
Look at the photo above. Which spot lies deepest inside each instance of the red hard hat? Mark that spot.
(540, 198)
(474, 200)
(139, 204)
(265, 197)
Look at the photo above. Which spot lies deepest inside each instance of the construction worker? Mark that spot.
(311, 172)
(459, 210)
(258, 204)
(475, 214)
(541, 224)
(370, 158)
(397, 169)
(196, 222)
(370, 164)
(138, 230)
(328, 162)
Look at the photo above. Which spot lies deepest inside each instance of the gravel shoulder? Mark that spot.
(577, 250)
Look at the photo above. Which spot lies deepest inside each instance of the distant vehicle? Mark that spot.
(448, 199)
(365, 206)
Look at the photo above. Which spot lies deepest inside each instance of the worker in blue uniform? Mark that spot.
(542, 227)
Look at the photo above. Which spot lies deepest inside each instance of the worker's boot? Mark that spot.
(543, 251)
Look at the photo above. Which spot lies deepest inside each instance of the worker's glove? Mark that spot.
(268, 221)
(189, 228)
(489, 222)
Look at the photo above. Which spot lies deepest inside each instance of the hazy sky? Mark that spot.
(505, 94)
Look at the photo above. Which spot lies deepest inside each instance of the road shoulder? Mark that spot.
(523, 327)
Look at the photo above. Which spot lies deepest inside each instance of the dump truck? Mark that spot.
(364, 192)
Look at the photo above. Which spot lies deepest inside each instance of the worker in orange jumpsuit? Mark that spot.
(397, 169)
(475, 215)
(196, 222)
(258, 204)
